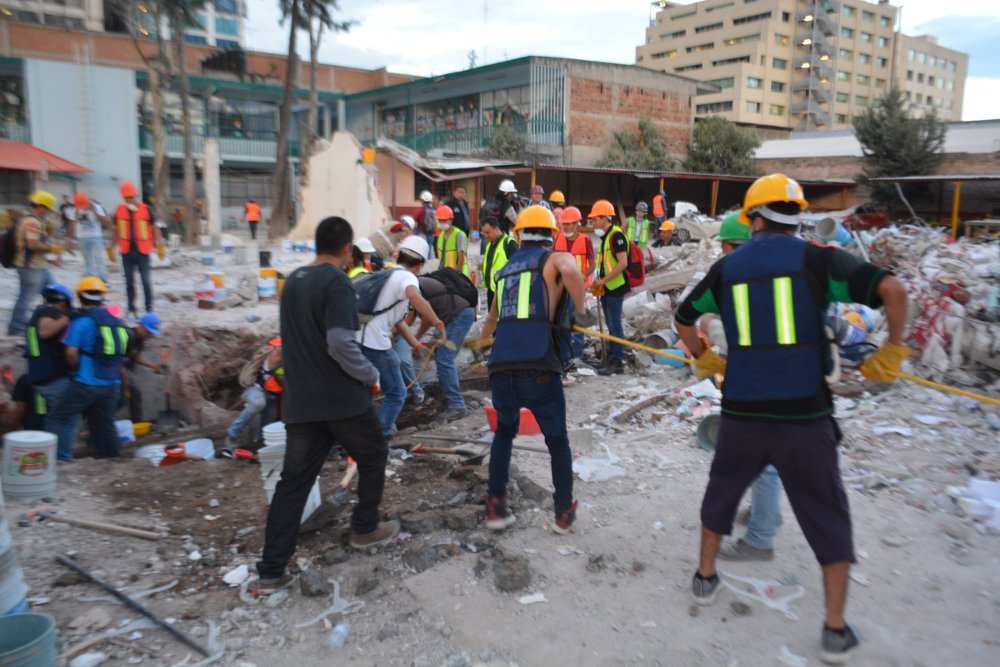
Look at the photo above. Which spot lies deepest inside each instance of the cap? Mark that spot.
(151, 323)
(364, 245)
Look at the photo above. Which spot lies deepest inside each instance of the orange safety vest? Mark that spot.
(253, 212)
(578, 249)
(139, 221)
(659, 205)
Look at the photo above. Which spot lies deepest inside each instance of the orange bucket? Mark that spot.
(528, 424)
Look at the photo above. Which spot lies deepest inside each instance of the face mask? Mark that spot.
(445, 226)
(133, 207)
(599, 233)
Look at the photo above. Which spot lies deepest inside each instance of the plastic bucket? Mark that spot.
(708, 432)
(228, 247)
(667, 361)
(12, 588)
(208, 259)
(528, 425)
(126, 432)
(241, 256)
(218, 279)
(28, 640)
(202, 448)
(154, 453)
(29, 465)
(661, 339)
(142, 429)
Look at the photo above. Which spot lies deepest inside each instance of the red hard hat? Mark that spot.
(81, 200)
(128, 189)
(571, 214)
(537, 190)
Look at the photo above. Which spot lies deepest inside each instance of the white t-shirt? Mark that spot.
(87, 224)
(377, 333)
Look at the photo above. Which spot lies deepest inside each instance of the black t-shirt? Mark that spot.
(133, 349)
(53, 347)
(446, 305)
(618, 244)
(314, 299)
(23, 393)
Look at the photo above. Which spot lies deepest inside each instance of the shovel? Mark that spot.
(537, 450)
(169, 418)
(471, 456)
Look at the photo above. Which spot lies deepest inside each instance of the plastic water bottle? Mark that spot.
(338, 636)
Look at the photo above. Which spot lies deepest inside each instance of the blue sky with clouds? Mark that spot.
(428, 37)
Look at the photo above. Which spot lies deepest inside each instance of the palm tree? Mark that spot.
(318, 18)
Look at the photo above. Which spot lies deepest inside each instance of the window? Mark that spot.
(951, 66)
(864, 58)
(708, 28)
(867, 15)
(714, 107)
(908, 96)
(843, 98)
(929, 100)
(226, 6)
(920, 77)
(843, 76)
(777, 87)
(227, 43)
(753, 107)
(752, 19)
(688, 68)
(883, 42)
(730, 61)
(847, 10)
(921, 57)
(866, 37)
(860, 100)
(918, 98)
(930, 80)
(732, 41)
(932, 61)
(845, 54)
(950, 85)
(700, 47)
(911, 54)
(840, 119)
(195, 39)
(673, 35)
(226, 26)
(685, 15)
(725, 82)
(884, 21)
(718, 7)
(664, 54)
(876, 103)
(881, 62)
(880, 84)
(863, 79)
(781, 40)
(949, 105)
(786, 16)
(777, 110)
(940, 83)
(909, 75)
(779, 63)
(847, 33)
(943, 62)
(754, 82)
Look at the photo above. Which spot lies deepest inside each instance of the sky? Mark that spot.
(427, 37)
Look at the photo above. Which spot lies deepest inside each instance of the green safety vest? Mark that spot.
(447, 245)
(41, 407)
(496, 259)
(638, 236)
(606, 260)
(357, 271)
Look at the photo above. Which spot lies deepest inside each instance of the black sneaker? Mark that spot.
(838, 644)
(703, 590)
(613, 367)
(269, 586)
(498, 515)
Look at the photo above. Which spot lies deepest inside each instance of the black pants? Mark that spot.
(131, 262)
(253, 229)
(307, 448)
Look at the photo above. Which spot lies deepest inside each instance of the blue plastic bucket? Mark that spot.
(667, 361)
(27, 640)
(19, 608)
(708, 432)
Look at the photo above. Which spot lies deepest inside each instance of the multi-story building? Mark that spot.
(797, 64)
(931, 76)
(74, 14)
(220, 23)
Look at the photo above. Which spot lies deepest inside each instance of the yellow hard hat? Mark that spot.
(768, 190)
(536, 217)
(91, 284)
(667, 226)
(557, 197)
(43, 198)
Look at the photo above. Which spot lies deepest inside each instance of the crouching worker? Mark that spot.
(262, 397)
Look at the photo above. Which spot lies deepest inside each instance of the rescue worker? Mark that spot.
(637, 226)
(387, 238)
(582, 248)
(526, 363)
(557, 199)
(87, 229)
(427, 217)
(252, 215)
(261, 398)
(776, 405)
(537, 197)
(361, 257)
(503, 206)
(499, 248)
(611, 285)
(452, 244)
(136, 236)
(149, 326)
(95, 350)
(48, 372)
(26, 410)
(660, 207)
(666, 235)
(31, 242)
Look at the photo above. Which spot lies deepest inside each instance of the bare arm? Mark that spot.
(490, 325)
(572, 280)
(49, 327)
(72, 357)
(894, 300)
(689, 335)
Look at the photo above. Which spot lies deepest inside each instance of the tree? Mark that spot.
(894, 143)
(291, 11)
(507, 144)
(718, 146)
(644, 149)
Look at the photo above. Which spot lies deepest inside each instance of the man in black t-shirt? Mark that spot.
(328, 392)
(29, 408)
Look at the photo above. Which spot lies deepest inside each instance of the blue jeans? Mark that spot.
(92, 249)
(256, 402)
(444, 358)
(544, 396)
(612, 306)
(100, 405)
(131, 262)
(32, 281)
(393, 387)
(765, 509)
(405, 354)
(52, 391)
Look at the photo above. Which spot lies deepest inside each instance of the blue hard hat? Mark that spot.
(252, 200)
(57, 290)
(151, 322)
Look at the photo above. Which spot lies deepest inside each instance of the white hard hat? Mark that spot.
(426, 196)
(364, 245)
(416, 245)
(409, 222)
(507, 185)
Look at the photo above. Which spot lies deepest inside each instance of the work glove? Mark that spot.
(709, 364)
(587, 320)
(111, 253)
(883, 366)
(161, 251)
(597, 290)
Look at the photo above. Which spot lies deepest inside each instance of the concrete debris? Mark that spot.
(511, 572)
(314, 583)
(420, 557)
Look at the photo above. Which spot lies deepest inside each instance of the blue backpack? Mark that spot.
(368, 287)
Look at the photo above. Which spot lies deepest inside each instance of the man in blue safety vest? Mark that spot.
(776, 406)
(48, 373)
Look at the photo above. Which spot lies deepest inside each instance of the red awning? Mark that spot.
(25, 157)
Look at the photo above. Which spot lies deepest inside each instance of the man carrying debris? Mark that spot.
(95, 351)
(611, 285)
(148, 327)
(48, 372)
(776, 405)
(527, 360)
(452, 243)
(328, 397)
(499, 248)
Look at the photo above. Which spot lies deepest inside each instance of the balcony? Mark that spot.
(240, 149)
(467, 141)
(819, 19)
(15, 132)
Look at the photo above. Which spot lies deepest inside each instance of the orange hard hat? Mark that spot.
(444, 213)
(128, 189)
(81, 200)
(571, 214)
(602, 207)
(275, 342)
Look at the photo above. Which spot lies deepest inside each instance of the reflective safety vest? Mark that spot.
(659, 206)
(357, 271)
(638, 231)
(578, 249)
(109, 344)
(772, 313)
(134, 224)
(523, 331)
(41, 405)
(496, 259)
(253, 212)
(606, 260)
(46, 358)
(447, 245)
(271, 380)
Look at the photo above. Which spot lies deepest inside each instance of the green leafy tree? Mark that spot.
(895, 143)
(719, 146)
(507, 144)
(642, 149)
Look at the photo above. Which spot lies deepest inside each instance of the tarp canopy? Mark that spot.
(25, 157)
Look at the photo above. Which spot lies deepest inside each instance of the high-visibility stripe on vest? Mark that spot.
(638, 231)
(41, 405)
(496, 259)
(607, 261)
(31, 340)
(357, 271)
(109, 344)
(46, 357)
(447, 245)
(578, 249)
(126, 221)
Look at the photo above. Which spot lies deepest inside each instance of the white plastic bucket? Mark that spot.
(272, 460)
(154, 453)
(241, 256)
(126, 432)
(12, 587)
(29, 465)
(267, 289)
(202, 448)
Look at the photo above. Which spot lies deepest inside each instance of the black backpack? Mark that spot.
(368, 287)
(457, 283)
(8, 246)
